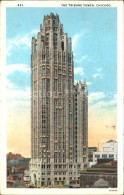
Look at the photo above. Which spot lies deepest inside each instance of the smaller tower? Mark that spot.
(81, 123)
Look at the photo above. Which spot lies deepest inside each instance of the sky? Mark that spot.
(94, 44)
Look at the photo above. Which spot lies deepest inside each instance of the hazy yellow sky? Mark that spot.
(100, 125)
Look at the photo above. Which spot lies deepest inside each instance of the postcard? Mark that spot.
(62, 97)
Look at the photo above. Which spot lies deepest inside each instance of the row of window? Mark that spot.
(104, 155)
(48, 28)
(97, 177)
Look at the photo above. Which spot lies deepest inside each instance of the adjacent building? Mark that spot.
(59, 116)
(17, 169)
(109, 151)
(90, 153)
(15, 173)
(102, 175)
(24, 162)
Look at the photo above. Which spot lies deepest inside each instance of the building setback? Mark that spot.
(90, 153)
(59, 116)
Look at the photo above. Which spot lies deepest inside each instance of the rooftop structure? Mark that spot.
(109, 151)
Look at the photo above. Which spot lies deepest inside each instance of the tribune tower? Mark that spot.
(59, 130)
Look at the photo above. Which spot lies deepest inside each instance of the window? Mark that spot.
(111, 155)
(42, 38)
(43, 166)
(48, 72)
(70, 166)
(104, 155)
(97, 156)
(69, 57)
(92, 177)
(87, 177)
(55, 53)
(55, 37)
(59, 56)
(62, 45)
(109, 179)
(43, 56)
(43, 140)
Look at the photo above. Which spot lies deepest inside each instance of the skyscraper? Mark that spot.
(59, 120)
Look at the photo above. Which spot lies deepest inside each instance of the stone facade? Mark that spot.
(59, 117)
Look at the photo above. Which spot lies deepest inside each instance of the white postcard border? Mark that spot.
(119, 190)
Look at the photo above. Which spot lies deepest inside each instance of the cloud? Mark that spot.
(81, 59)
(20, 42)
(17, 97)
(89, 83)
(79, 71)
(17, 67)
(9, 48)
(14, 94)
(100, 105)
(99, 69)
(34, 31)
(9, 84)
(106, 104)
(98, 75)
(75, 81)
(95, 96)
(76, 38)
